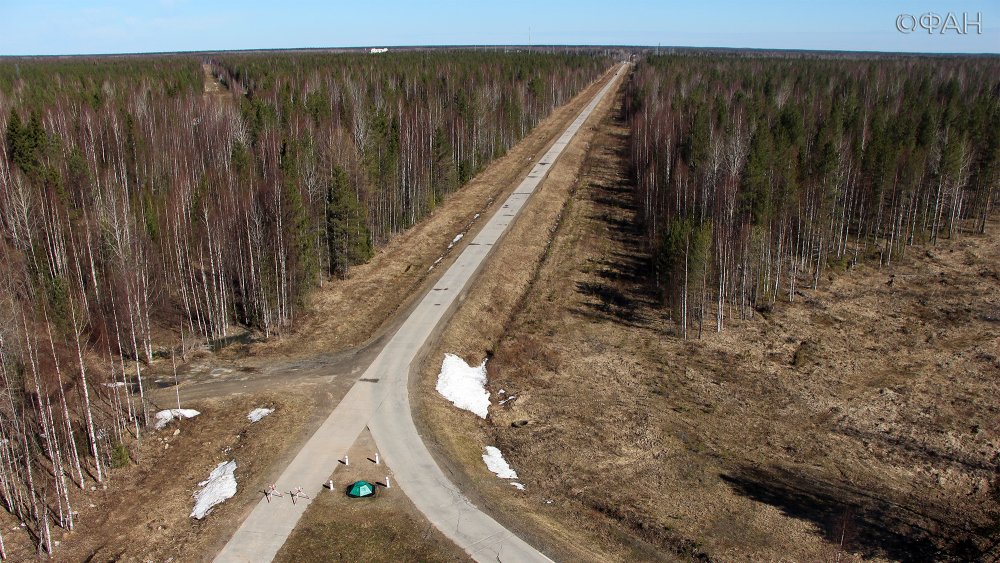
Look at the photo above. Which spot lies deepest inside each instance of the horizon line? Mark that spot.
(512, 46)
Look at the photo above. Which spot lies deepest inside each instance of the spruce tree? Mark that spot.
(348, 238)
(444, 176)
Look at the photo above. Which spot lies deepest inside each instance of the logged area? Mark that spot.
(856, 421)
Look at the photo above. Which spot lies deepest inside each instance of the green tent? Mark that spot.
(361, 489)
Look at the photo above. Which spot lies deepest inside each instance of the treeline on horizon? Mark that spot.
(135, 206)
(754, 175)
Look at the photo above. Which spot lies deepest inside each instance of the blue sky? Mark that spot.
(47, 27)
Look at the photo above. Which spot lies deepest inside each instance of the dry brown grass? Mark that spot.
(143, 514)
(386, 527)
(859, 421)
(475, 331)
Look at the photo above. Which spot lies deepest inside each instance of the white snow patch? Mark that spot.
(464, 385)
(164, 417)
(518, 486)
(455, 240)
(115, 384)
(220, 485)
(258, 414)
(497, 464)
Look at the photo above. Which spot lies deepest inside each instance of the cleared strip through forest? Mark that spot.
(141, 219)
(382, 401)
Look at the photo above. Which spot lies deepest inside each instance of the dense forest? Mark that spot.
(145, 201)
(755, 174)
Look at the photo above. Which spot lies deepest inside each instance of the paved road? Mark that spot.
(380, 401)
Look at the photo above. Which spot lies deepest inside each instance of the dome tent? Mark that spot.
(361, 489)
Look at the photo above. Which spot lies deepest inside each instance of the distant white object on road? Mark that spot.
(164, 417)
(497, 464)
(220, 485)
(258, 414)
(464, 385)
(377, 50)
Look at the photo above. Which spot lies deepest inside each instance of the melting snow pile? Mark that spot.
(258, 414)
(164, 417)
(497, 464)
(518, 486)
(221, 485)
(464, 385)
(456, 239)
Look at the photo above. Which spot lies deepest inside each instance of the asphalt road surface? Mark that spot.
(380, 401)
